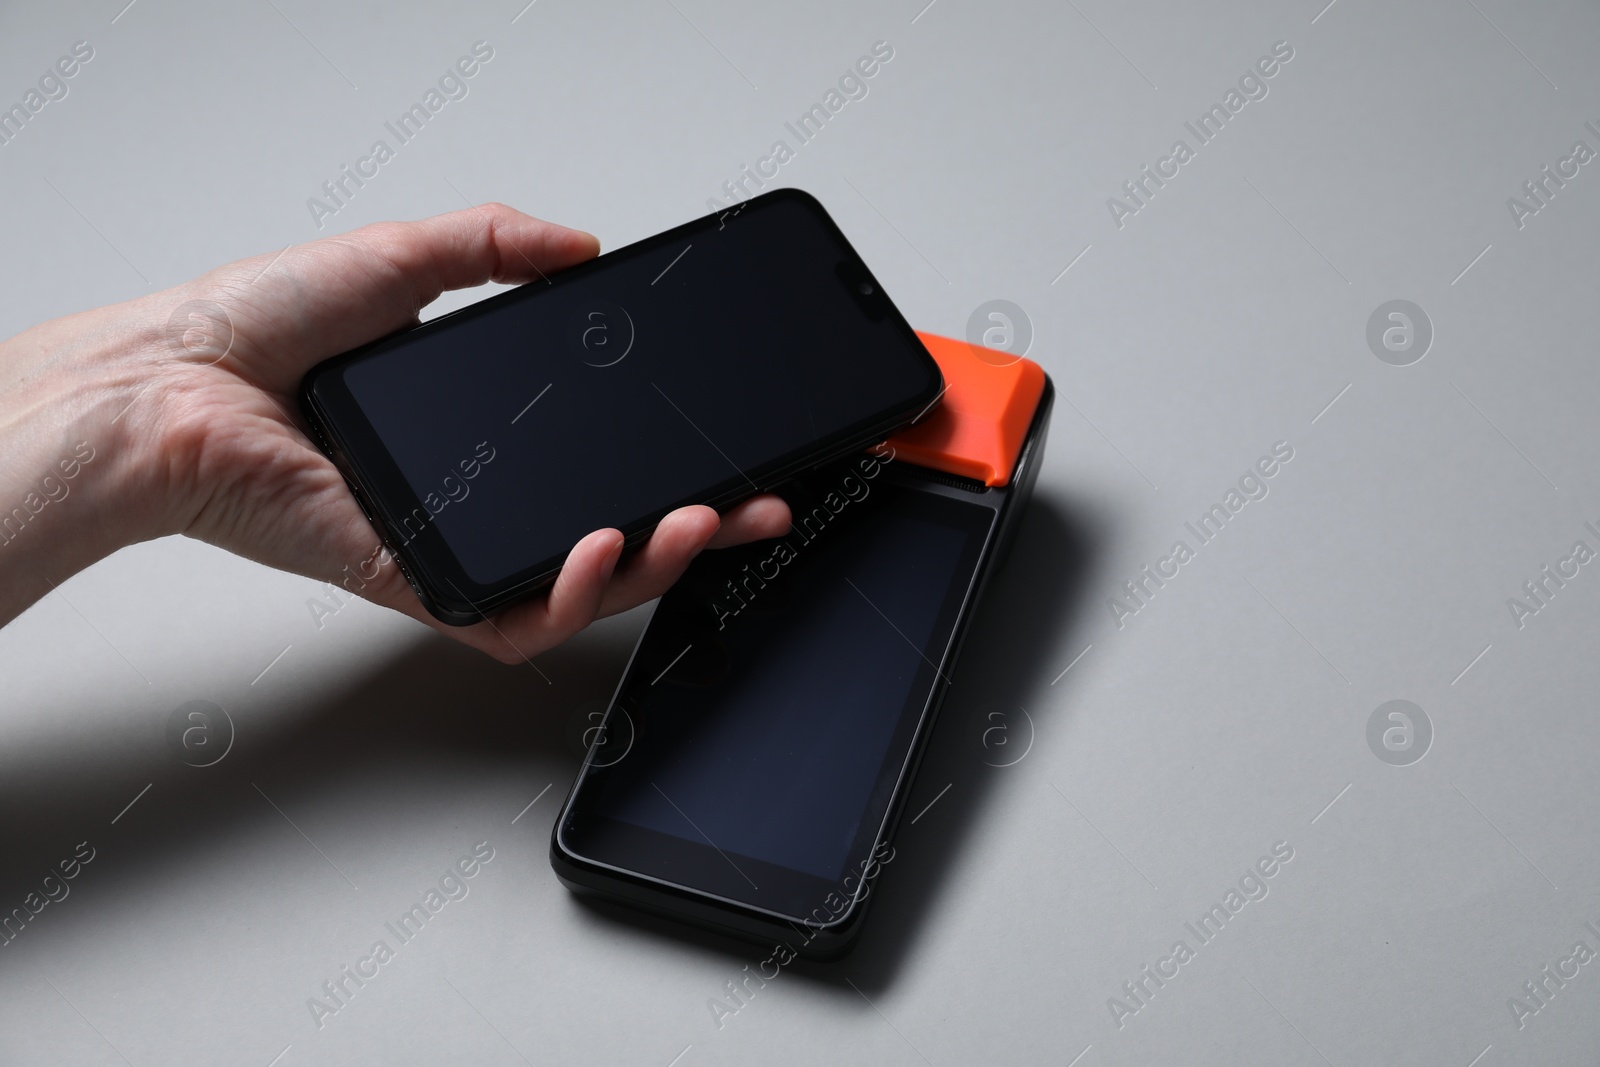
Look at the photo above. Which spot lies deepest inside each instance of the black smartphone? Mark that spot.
(751, 769)
(700, 366)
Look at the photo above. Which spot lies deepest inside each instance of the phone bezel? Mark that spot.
(343, 432)
(819, 940)
(721, 871)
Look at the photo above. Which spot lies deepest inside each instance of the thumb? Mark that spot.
(316, 300)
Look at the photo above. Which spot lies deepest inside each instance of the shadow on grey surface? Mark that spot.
(1027, 616)
(398, 732)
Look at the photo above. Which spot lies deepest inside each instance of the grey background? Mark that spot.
(1227, 715)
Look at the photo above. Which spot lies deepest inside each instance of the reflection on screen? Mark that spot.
(779, 757)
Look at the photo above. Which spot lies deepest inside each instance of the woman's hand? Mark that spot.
(186, 399)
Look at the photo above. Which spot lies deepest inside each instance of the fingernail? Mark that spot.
(610, 563)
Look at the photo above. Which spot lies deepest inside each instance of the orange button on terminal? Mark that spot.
(977, 428)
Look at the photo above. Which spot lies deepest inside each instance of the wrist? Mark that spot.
(72, 474)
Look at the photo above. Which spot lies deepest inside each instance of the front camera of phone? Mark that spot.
(865, 289)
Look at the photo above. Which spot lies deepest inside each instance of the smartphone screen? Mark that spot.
(769, 713)
(695, 367)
